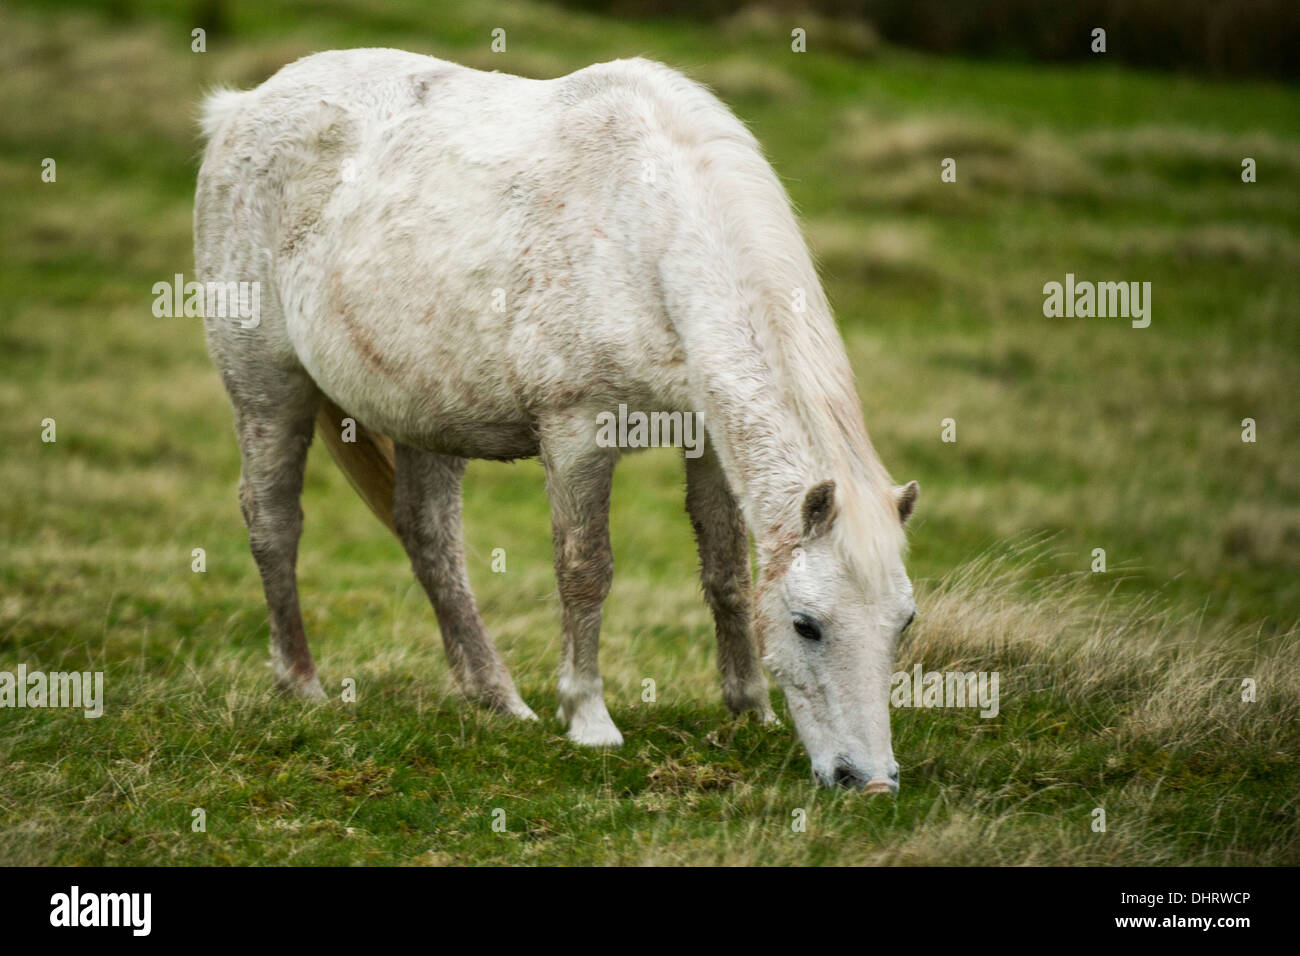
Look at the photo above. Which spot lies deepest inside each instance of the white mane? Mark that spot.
(804, 349)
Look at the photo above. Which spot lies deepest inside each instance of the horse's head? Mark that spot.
(829, 628)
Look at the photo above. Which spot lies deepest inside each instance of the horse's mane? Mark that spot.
(809, 355)
(804, 349)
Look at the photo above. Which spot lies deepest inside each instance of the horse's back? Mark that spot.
(443, 243)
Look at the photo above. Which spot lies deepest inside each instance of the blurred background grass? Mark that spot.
(1084, 433)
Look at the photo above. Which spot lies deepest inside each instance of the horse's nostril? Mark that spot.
(847, 776)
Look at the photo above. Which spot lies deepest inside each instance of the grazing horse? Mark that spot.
(476, 265)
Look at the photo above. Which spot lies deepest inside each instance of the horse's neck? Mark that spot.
(766, 456)
(754, 426)
(760, 393)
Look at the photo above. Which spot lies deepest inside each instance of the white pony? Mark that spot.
(476, 265)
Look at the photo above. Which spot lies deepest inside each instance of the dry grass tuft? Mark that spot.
(1175, 681)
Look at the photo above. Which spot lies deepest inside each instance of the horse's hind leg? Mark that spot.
(724, 570)
(426, 512)
(274, 430)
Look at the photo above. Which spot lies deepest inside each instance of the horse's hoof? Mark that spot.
(501, 700)
(596, 735)
(521, 710)
(302, 689)
(597, 741)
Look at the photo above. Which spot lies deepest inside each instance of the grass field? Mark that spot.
(1120, 690)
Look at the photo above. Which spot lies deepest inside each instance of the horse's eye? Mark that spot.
(806, 627)
(908, 623)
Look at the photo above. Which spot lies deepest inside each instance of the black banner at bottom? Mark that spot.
(332, 906)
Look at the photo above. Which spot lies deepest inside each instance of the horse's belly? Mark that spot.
(494, 441)
(426, 395)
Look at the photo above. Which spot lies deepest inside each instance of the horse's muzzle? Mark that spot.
(848, 776)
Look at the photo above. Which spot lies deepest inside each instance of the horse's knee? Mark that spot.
(726, 590)
(587, 583)
(584, 569)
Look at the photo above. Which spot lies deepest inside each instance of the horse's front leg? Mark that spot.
(578, 476)
(724, 571)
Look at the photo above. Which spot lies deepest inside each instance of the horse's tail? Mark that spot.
(369, 462)
(218, 106)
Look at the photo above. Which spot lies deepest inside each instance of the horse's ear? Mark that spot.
(905, 497)
(818, 509)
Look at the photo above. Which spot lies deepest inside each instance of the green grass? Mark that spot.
(1119, 690)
